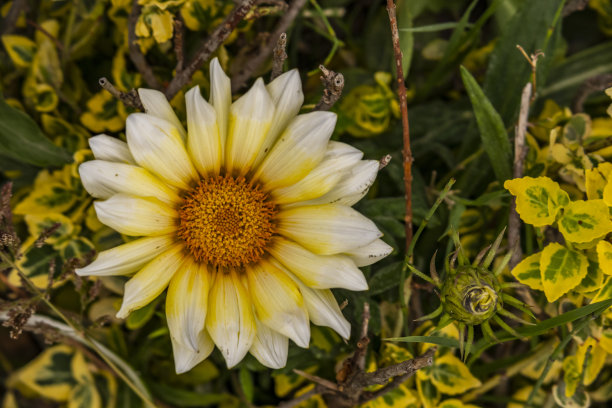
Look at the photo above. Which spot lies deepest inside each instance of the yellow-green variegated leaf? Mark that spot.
(580, 399)
(593, 280)
(428, 393)
(584, 221)
(20, 49)
(537, 199)
(35, 264)
(49, 375)
(455, 403)
(451, 376)
(528, 272)
(596, 180)
(402, 396)
(607, 193)
(39, 223)
(84, 394)
(605, 341)
(521, 397)
(561, 270)
(595, 360)
(605, 292)
(571, 375)
(604, 256)
(77, 248)
(47, 198)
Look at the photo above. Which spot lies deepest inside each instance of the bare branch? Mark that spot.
(210, 45)
(333, 83)
(135, 54)
(316, 379)
(401, 91)
(130, 99)
(514, 223)
(240, 79)
(179, 33)
(279, 56)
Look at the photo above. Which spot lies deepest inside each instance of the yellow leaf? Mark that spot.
(47, 198)
(571, 375)
(605, 341)
(455, 403)
(593, 280)
(595, 362)
(402, 396)
(596, 180)
(537, 199)
(607, 193)
(522, 395)
(584, 221)
(48, 375)
(561, 270)
(428, 393)
(20, 49)
(450, 375)
(605, 292)
(528, 272)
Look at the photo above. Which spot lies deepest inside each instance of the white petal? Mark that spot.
(322, 178)
(109, 148)
(136, 216)
(298, 150)
(150, 281)
(250, 119)
(157, 146)
(229, 320)
(103, 179)
(220, 98)
(187, 303)
(185, 358)
(156, 104)
(127, 258)
(318, 271)
(278, 302)
(203, 142)
(270, 347)
(323, 309)
(370, 253)
(286, 93)
(327, 229)
(353, 186)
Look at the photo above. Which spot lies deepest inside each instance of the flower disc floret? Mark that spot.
(226, 221)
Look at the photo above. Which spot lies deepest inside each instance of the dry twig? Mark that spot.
(130, 99)
(214, 40)
(240, 79)
(135, 54)
(401, 90)
(514, 223)
(179, 33)
(333, 83)
(279, 56)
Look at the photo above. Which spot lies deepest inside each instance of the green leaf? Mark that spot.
(22, 139)
(386, 278)
(584, 221)
(140, 317)
(532, 28)
(492, 131)
(184, 398)
(246, 382)
(440, 341)
(432, 27)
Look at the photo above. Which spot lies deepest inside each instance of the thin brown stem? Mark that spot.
(57, 42)
(401, 90)
(210, 45)
(240, 79)
(179, 33)
(136, 55)
(316, 379)
(130, 98)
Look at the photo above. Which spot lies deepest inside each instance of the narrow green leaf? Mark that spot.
(431, 28)
(532, 27)
(386, 278)
(21, 139)
(246, 382)
(440, 341)
(492, 131)
(184, 398)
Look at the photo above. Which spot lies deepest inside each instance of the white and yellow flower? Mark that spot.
(245, 217)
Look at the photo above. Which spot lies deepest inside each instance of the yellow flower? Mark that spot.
(245, 217)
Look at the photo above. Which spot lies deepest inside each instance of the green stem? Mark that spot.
(331, 35)
(146, 399)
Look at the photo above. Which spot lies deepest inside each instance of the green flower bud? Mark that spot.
(470, 294)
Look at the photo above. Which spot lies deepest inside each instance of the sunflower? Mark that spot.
(245, 217)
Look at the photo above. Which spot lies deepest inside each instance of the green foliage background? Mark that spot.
(464, 75)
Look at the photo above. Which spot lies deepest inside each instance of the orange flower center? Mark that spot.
(226, 221)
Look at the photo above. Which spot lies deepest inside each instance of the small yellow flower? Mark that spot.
(245, 217)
